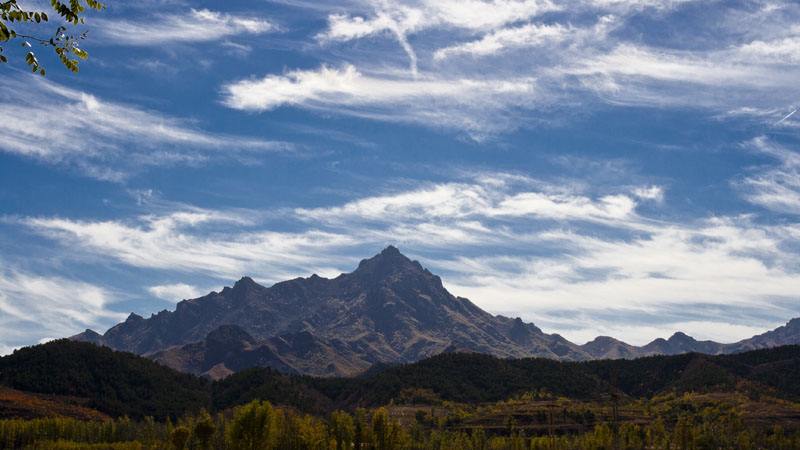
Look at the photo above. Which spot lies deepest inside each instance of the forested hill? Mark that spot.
(471, 378)
(118, 383)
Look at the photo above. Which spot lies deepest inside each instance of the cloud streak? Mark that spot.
(174, 292)
(591, 53)
(104, 139)
(34, 307)
(776, 188)
(511, 244)
(458, 102)
(196, 25)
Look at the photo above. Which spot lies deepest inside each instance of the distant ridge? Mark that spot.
(389, 310)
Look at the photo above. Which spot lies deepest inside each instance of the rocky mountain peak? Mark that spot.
(680, 337)
(133, 317)
(245, 283)
(387, 263)
(241, 288)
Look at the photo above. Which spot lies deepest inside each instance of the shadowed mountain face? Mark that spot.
(389, 310)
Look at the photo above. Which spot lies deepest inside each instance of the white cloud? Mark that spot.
(188, 242)
(628, 6)
(668, 270)
(524, 248)
(174, 292)
(672, 66)
(528, 35)
(197, 25)
(107, 140)
(654, 193)
(461, 103)
(781, 51)
(413, 17)
(778, 187)
(34, 307)
(585, 53)
(347, 86)
(482, 199)
(401, 20)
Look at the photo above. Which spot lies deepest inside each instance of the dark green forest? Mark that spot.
(123, 384)
(451, 401)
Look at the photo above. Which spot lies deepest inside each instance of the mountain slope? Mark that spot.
(115, 383)
(389, 310)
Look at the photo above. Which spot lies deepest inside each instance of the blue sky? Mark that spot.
(614, 167)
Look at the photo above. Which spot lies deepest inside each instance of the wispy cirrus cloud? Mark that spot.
(176, 291)
(778, 187)
(195, 25)
(460, 102)
(104, 139)
(192, 241)
(35, 307)
(478, 200)
(511, 244)
(528, 35)
(587, 53)
(418, 16)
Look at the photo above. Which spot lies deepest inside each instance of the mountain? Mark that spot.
(609, 348)
(788, 334)
(389, 310)
(605, 347)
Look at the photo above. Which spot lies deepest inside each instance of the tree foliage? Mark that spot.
(258, 425)
(19, 24)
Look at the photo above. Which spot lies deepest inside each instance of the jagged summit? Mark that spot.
(133, 317)
(390, 256)
(244, 284)
(393, 267)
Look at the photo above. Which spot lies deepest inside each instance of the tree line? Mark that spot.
(260, 426)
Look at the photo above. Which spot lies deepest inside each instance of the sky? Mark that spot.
(597, 167)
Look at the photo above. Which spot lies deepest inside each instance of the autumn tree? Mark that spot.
(342, 429)
(204, 430)
(20, 24)
(179, 438)
(251, 428)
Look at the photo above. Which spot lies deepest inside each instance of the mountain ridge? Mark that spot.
(389, 310)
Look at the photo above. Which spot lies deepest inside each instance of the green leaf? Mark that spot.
(80, 53)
